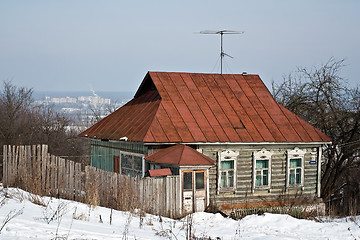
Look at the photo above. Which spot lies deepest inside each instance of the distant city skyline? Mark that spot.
(110, 45)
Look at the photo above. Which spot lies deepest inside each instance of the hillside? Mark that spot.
(63, 219)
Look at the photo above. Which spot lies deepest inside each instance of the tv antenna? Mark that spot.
(222, 32)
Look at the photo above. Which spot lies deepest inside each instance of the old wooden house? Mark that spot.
(231, 143)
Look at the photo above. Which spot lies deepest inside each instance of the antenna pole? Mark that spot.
(221, 51)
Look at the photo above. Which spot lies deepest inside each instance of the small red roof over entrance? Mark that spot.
(180, 155)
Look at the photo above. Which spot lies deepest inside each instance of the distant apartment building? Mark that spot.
(60, 100)
(94, 100)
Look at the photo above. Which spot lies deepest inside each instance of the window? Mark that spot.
(187, 180)
(227, 170)
(199, 177)
(261, 170)
(131, 164)
(227, 173)
(194, 180)
(295, 168)
(295, 171)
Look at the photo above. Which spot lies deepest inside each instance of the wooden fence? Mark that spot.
(33, 169)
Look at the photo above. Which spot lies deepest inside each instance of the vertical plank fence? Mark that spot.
(35, 170)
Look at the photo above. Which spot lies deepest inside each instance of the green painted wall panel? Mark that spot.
(103, 152)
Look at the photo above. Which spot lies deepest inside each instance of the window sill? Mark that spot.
(264, 188)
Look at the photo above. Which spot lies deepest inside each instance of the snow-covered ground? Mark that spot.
(63, 219)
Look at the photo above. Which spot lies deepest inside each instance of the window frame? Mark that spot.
(261, 170)
(296, 153)
(139, 173)
(223, 156)
(263, 154)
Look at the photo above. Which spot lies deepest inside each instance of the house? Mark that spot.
(231, 143)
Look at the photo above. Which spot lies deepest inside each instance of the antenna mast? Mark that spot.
(222, 53)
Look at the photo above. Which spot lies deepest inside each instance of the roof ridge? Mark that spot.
(152, 121)
(182, 152)
(184, 72)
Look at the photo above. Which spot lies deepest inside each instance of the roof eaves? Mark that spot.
(241, 143)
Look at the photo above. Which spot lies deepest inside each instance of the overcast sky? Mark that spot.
(109, 45)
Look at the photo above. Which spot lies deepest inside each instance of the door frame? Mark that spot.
(206, 182)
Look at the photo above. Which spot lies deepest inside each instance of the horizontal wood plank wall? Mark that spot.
(33, 169)
(242, 194)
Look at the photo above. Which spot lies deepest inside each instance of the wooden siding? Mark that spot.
(242, 195)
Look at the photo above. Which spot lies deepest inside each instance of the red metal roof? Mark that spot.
(160, 172)
(197, 107)
(180, 155)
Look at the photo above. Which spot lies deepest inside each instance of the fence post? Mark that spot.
(43, 167)
(5, 164)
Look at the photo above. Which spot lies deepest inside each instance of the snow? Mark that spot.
(80, 221)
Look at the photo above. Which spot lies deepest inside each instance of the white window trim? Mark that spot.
(225, 156)
(291, 154)
(261, 155)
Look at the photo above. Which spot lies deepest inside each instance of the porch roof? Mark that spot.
(160, 172)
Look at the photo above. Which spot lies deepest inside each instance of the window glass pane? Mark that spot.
(137, 163)
(292, 177)
(265, 177)
(187, 180)
(298, 176)
(199, 180)
(126, 161)
(258, 180)
(262, 163)
(231, 178)
(296, 162)
(227, 164)
(223, 179)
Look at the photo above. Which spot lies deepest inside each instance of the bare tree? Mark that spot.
(100, 110)
(324, 99)
(21, 122)
(14, 107)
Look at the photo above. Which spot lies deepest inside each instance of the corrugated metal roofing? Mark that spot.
(180, 155)
(160, 172)
(197, 107)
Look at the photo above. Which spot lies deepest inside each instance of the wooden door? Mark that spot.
(117, 164)
(200, 190)
(194, 190)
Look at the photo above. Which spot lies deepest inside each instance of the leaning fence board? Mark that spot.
(47, 164)
(61, 178)
(5, 165)
(43, 167)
